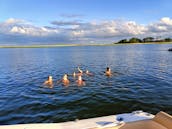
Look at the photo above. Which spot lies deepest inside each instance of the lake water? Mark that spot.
(142, 80)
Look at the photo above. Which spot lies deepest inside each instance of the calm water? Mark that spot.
(142, 81)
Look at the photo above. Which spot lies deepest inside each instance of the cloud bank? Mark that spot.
(76, 31)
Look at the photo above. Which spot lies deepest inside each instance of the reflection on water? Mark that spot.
(141, 80)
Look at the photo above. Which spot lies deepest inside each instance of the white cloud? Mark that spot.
(161, 28)
(33, 31)
(166, 20)
(108, 29)
(17, 26)
(14, 21)
(77, 31)
(16, 29)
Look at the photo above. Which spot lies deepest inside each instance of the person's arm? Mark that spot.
(45, 82)
(59, 81)
(79, 70)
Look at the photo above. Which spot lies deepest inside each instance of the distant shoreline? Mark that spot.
(145, 43)
(75, 45)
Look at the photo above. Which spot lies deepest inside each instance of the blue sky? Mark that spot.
(81, 17)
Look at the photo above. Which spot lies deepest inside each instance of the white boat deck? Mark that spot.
(100, 122)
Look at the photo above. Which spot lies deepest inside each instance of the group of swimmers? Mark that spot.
(80, 82)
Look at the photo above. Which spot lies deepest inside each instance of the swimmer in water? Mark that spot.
(80, 82)
(88, 73)
(108, 72)
(64, 80)
(49, 81)
(74, 74)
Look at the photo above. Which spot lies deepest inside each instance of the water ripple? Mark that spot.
(141, 81)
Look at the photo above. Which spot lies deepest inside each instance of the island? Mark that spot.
(144, 40)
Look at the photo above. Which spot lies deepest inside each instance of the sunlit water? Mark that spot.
(142, 80)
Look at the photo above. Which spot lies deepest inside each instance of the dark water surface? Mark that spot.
(142, 81)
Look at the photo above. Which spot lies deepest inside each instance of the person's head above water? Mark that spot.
(49, 82)
(80, 82)
(50, 78)
(107, 69)
(65, 80)
(88, 73)
(74, 74)
(65, 77)
(108, 72)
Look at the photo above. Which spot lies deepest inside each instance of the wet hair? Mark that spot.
(107, 69)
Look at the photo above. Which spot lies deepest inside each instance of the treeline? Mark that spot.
(144, 40)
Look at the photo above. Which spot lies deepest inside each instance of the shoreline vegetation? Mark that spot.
(147, 40)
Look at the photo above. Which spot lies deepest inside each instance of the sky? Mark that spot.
(82, 21)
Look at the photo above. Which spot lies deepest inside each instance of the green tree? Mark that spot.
(168, 40)
(123, 41)
(135, 40)
(148, 39)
